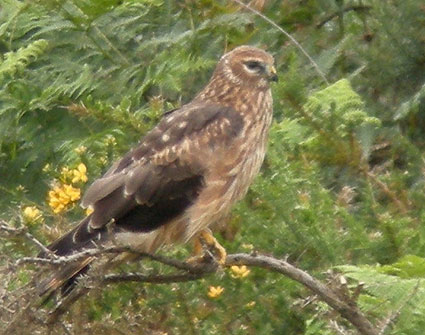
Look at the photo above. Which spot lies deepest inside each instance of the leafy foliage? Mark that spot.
(342, 185)
(399, 297)
(19, 60)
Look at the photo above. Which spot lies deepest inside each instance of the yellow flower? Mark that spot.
(103, 160)
(73, 193)
(61, 196)
(56, 200)
(110, 140)
(81, 149)
(247, 246)
(250, 304)
(66, 174)
(56, 204)
(31, 214)
(239, 271)
(215, 291)
(80, 174)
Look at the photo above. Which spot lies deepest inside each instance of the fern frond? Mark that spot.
(412, 105)
(342, 131)
(17, 61)
(338, 98)
(388, 293)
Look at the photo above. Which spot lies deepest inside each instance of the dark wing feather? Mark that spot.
(168, 202)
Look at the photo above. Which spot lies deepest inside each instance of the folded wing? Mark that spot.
(159, 179)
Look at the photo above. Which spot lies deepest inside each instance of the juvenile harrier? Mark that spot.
(186, 173)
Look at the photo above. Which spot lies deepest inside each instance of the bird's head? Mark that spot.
(248, 66)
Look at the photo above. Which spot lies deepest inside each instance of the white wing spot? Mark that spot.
(74, 240)
(165, 138)
(127, 194)
(182, 124)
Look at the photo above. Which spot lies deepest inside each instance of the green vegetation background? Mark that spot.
(342, 188)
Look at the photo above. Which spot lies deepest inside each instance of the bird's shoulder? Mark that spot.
(213, 122)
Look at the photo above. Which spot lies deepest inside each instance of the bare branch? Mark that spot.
(61, 260)
(192, 271)
(207, 265)
(154, 279)
(347, 310)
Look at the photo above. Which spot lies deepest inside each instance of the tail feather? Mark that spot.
(78, 239)
(64, 279)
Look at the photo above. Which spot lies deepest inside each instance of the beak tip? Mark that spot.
(274, 78)
(272, 74)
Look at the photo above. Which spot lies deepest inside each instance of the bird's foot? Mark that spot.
(207, 245)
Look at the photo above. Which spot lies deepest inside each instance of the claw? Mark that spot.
(205, 240)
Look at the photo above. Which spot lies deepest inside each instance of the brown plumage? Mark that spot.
(187, 172)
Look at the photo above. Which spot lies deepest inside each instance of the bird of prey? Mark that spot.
(185, 174)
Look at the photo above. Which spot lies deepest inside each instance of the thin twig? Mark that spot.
(293, 40)
(24, 232)
(62, 260)
(337, 327)
(361, 8)
(384, 187)
(208, 264)
(154, 279)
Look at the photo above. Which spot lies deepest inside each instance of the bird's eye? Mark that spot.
(254, 66)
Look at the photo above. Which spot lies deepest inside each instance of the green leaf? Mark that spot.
(409, 266)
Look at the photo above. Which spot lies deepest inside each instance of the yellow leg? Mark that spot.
(206, 240)
(197, 247)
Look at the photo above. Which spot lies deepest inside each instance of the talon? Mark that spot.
(206, 240)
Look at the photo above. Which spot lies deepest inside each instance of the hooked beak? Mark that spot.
(271, 73)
